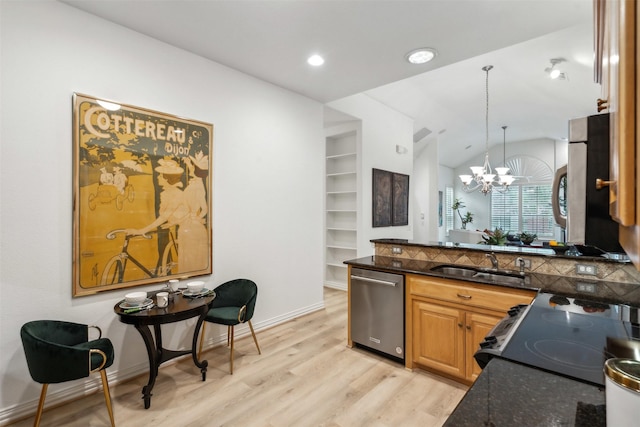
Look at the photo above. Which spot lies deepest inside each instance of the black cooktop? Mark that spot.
(574, 337)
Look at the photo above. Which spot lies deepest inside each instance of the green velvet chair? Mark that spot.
(58, 351)
(234, 304)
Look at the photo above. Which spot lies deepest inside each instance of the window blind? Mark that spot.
(448, 212)
(523, 208)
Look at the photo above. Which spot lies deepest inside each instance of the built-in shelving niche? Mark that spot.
(341, 206)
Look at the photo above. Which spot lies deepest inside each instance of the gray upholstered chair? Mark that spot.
(234, 304)
(58, 351)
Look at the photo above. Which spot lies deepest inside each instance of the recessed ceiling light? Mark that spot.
(421, 56)
(315, 60)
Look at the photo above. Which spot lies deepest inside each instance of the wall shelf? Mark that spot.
(341, 211)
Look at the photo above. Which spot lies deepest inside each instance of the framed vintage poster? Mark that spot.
(142, 196)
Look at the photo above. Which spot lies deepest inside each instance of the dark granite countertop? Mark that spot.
(603, 291)
(510, 394)
(510, 248)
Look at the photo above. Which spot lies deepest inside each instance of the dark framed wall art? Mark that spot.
(142, 196)
(400, 199)
(390, 198)
(382, 195)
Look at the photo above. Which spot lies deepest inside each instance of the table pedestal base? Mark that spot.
(158, 355)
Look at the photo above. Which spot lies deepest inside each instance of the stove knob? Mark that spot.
(513, 311)
(485, 344)
(491, 339)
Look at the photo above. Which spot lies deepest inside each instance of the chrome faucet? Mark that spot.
(494, 260)
(522, 265)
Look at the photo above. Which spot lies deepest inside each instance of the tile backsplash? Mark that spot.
(559, 266)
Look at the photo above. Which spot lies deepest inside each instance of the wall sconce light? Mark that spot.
(401, 149)
(554, 72)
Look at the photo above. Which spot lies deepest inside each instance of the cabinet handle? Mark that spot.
(468, 327)
(370, 280)
(602, 104)
(460, 325)
(464, 296)
(600, 184)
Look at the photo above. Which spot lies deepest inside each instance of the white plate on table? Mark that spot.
(125, 305)
(187, 293)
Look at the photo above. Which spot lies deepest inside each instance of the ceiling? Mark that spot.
(364, 43)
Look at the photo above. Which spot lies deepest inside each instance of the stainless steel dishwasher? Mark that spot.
(377, 311)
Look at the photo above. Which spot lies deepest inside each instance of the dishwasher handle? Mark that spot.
(376, 281)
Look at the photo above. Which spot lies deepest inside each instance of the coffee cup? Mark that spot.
(174, 284)
(162, 299)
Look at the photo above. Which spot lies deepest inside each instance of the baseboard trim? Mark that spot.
(336, 285)
(93, 383)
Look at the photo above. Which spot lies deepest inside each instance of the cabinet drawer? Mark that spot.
(468, 294)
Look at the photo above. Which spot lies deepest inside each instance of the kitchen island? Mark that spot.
(510, 394)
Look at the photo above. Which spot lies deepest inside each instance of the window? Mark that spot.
(505, 210)
(448, 212)
(524, 208)
(527, 204)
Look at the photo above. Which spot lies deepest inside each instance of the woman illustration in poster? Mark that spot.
(185, 209)
(193, 231)
(173, 209)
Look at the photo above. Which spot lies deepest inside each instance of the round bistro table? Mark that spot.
(180, 308)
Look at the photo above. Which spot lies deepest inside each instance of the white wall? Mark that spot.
(425, 194)
(382, 129)
(268, 175)
(446, 178)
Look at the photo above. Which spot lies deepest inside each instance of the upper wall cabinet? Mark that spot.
(616, 43)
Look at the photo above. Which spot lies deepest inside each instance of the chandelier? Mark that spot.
(484, 179)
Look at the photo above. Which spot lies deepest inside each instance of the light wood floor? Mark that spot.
(306, 376)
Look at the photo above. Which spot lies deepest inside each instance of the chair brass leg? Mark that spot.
(107, 395)
(201, 339)
(43, 394)
(231, 352)
(255, 340)
(229, 335)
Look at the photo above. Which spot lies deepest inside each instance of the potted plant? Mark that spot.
(496, 237)
(527, 238)
(467, 218)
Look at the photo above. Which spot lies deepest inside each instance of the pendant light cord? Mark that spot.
(487, 166)
(504, 146)
(486, 117)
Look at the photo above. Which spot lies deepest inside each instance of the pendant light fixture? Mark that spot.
(506, 179)
(483, 178)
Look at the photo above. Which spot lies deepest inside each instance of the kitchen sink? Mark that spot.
(492, 276)
(502, 278)
(455, 271)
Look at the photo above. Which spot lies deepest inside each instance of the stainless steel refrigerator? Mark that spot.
(586, 217)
